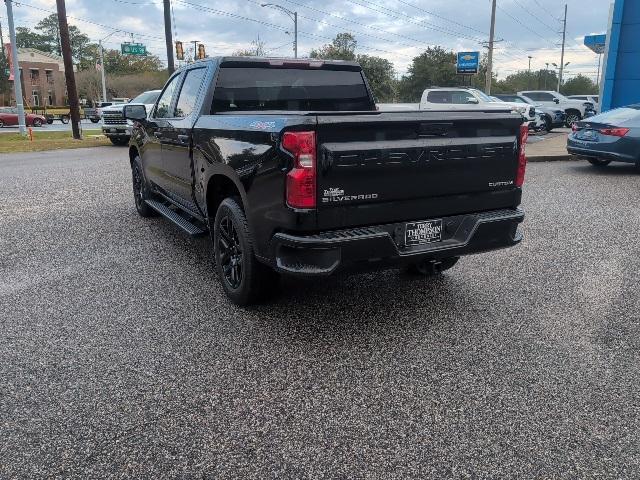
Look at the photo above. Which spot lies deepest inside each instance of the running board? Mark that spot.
(176, 218)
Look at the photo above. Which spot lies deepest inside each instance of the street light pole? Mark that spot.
(17, 86)
(529, 73)
(293, 16)
(102, 66)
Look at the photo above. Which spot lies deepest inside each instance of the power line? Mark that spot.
(535, 16)
(441, 17)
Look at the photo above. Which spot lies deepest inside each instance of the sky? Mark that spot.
(397, 30)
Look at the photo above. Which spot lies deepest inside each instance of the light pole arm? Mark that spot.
(293, 16)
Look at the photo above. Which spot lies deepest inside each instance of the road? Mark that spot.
(121, 357)
(56, 126)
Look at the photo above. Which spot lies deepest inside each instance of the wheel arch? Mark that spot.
(220, 186)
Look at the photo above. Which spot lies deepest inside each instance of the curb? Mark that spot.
(551, 158)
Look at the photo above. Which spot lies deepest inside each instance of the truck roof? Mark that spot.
(284, 62)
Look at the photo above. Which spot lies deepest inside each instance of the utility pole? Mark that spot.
(487, 88)
(295, 34)
(546, 74)
(564, 38)
(529, 73)
(104, 83)
(195, 49)
(167, 36)
(70, 77)
(17, 86)
(1, 42)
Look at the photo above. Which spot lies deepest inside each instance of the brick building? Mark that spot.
(42, 78)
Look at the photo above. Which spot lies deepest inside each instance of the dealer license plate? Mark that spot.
(418, 233)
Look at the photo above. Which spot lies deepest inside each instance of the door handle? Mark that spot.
(183, 138)
(157, 134)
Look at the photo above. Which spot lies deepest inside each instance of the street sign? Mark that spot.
(133, 49)
(468, 63)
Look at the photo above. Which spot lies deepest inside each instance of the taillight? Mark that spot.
(614, 132)
(301, 180)
(522, 157)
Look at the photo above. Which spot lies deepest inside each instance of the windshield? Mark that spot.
(146, 98)
(481, 95)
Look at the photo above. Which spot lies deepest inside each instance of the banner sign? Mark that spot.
(468, 63)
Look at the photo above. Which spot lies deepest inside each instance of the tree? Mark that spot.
(579, 85)
(523, 80)
(342, 47)
(26, 38)
(433, 67)
(117, 64)
(380, 75)
(80, 43)
(256, 50)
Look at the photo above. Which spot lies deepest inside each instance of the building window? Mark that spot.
(34, 75)
(50, 97)
(35, 96)
(49, 75)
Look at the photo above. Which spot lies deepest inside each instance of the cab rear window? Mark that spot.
(259, 88)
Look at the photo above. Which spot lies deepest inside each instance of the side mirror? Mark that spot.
(472, 100)
(137, 113)
(556, 100)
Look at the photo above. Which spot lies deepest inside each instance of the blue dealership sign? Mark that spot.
(468, 63)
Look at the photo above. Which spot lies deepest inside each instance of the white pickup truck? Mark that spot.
(576, 110)
(114, 125)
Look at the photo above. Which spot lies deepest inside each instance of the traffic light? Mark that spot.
(179, 51)
(201, 52)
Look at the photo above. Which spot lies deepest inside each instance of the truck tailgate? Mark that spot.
(405, 165)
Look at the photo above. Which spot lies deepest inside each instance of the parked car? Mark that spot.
(293, 171)
(576, 110)
(554, 117)
(114, 125)
(594, 99)
(455, 98)
(9, 117)
(613, 136)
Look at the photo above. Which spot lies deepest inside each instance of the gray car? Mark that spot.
(554, 117)
(610, 136)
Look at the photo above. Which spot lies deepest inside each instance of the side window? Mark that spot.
(163, 109)
(462, 98)
(532, 95)
(189, 92)
(545, 97)
(439, 96)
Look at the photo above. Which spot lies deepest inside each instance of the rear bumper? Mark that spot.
(590, 153)
(382, 246)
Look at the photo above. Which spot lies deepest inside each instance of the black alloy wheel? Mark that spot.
(36, 122)
(140, 189)
(244, 279)
(230, 252)
(572, 118)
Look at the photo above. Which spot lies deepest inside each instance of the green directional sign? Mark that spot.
(133, 49)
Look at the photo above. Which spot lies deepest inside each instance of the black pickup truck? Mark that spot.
(293, 170)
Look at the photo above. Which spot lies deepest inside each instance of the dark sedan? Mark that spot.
(613, 136)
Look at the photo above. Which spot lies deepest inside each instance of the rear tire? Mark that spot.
(64, 119)
(597, 162)
(36, 122)
(572, 117)
(244, 279)
(94, 120)
(431, 268)
(140, 189)
(1, 124)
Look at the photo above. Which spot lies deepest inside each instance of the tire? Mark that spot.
(548, 123)
(94, 120)
(1, 123)
(244, 279)
(119, 141)
(36, 122)
(140, 189)
(64, 119)
(597, 162)
(572, 117)
(431, 268)
(49, 121)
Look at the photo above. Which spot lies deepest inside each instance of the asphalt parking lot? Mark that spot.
(121, 357)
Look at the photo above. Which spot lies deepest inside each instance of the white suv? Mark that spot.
(455, 98)
(595, 99)
(576, 110)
